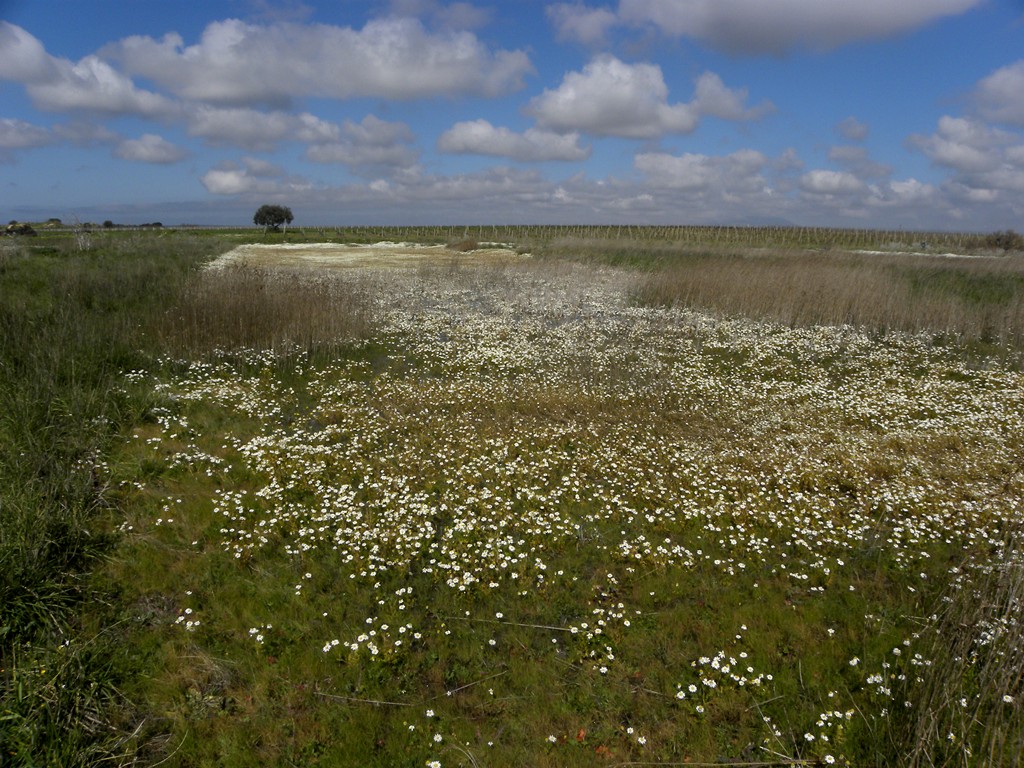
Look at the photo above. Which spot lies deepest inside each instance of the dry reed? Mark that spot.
(971, 300)
(249, 308)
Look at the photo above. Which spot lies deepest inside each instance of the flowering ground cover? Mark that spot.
(529, 522)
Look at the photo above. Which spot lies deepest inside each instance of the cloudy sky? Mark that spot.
(866, 113)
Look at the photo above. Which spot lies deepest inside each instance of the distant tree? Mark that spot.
(108, 224)
(272, 217)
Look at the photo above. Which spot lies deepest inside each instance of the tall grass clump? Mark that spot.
(978, 302)
(242, 307)
(963, 696)
(73, 322)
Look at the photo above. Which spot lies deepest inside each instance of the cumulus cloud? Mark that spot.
(757, 27)
(257, 130)
(371, 146)
(987, 163)
(236, 63)
(18, 134)
(150, 148)
(23, 58)
(714, 98)
(965, 145)
(613, 98)
(372, 131)
(576, 22)
(89, 85)
(1000, 96)
(739, 172)
(479, 137)
(831, 183)
(252, 176)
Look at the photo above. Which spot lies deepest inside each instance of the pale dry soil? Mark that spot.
(377, 255)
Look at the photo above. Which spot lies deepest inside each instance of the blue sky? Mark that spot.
(871, 113)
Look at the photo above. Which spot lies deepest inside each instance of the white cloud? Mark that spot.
(714, 98)
(236, 63)
(231, 181)
(578, 23)
(372, 131)
(911, 191)
(736, 173)
(758, 27)
(258, 130)
(370, 147)
(150, 148)
(18, 134)
(613, 98)
(479, 137)
(1000, 96)
(822, 182)
(23, 58)
(965, 145)
(90, 85)
(249, 128)
(987, 164)
(254, 176)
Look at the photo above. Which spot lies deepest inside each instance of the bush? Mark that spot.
(1007, 240)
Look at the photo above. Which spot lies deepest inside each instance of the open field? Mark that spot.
(595, 505)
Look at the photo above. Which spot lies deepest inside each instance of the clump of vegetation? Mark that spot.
(265, 309)
(273, 217)
(1007, 240)
(71, 327)
(23, 229)
(978, 302)
(464, 245)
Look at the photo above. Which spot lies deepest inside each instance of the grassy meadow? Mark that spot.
(648, 496)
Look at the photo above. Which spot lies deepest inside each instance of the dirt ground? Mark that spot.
(378, 255)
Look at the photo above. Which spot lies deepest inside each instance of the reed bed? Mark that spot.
(240, 307)
(975, 302)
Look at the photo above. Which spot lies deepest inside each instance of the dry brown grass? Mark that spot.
(265, 309)
(972, 300)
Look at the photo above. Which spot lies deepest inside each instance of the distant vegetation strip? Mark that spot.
(565, 236)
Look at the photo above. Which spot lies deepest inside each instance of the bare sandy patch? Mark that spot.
(378, 255)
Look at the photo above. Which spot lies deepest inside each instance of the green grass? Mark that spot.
(208, 477)
(71, 325)
(820, 484)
